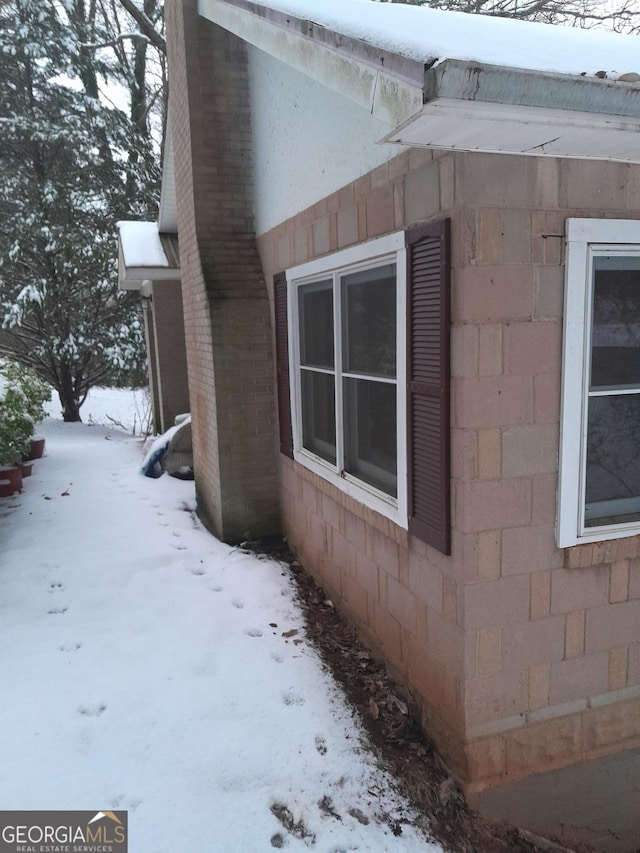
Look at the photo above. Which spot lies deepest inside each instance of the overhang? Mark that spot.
(449, 103)
(146, 254)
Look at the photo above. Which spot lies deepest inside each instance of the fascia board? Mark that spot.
(390, 87)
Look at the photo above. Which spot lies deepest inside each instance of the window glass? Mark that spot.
(316, 324)
(370, 432)
(613, 460)
(319, 414)
(369, 321)
(615, 335)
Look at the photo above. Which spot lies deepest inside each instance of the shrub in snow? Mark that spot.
(22, 399)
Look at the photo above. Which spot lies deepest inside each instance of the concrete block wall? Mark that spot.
(226, 310)
(172, 389)
(553, 630)
(521, 657)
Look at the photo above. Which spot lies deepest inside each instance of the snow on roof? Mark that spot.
(434, 35)
(141, 245)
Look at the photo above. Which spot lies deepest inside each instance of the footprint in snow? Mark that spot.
(276, 657)
(70, 647)
(292, 699)
(53, 587)
(92, 710)
(321, 745)
(216, 588)
(55, 611)
(253, 632)
(122, 799)
(199, 571)
(237, 603)
(178, 547)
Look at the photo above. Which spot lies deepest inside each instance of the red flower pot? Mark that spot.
(10, 481)
(36, 449)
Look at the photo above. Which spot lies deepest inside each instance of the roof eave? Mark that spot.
(454, 104)
(474, 107)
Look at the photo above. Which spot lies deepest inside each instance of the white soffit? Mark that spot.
(472, 107)
(456, 104)
(145, 254)
(478, 126)
(392, 97)
(167, 213)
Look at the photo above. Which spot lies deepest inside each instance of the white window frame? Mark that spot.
(586, 239)
(374, 253)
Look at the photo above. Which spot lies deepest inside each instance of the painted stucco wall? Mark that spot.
(307, 140)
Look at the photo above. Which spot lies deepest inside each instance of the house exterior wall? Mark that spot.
(226, 311)
(309, 140)
(521, 657)
(171, 395)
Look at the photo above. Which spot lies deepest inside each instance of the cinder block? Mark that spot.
(491, 234)
(574, 634)
(549, 282)
(599, 188)
(491, 604)
(490, 350)
(612, 625)
(489, 554)
(489, 654)
(422, 193)
(402, 604)
(532, 347)
(501, 401)
(494, 697)
(529, 549)
(544, 499)
(541, 595)
(539, 675)
(487, 758)
(619, 583)
(484, 294)
(618, 666)
(489, 454)
(490, 504)
(573, 589)
(532, 642)
(546, 390)
(611, 725)
(517, 237)
(536, 747)
(464, 350)
(380, 211)
(579, 678)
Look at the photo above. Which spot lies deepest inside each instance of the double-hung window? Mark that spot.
(347, 328)
(362, 360)
(599, 495)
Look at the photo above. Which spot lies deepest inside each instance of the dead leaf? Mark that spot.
(290, 633)
(374, 711)
(65, 494)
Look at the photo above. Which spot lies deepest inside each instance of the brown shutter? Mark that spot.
(428, 425)
(282, 363)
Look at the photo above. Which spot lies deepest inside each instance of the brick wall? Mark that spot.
(226, 311)
(520, 656)
(172, 390)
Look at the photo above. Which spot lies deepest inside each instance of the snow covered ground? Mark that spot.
(146, 666)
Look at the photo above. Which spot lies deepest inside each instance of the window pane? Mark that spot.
(613, 460)
(369, 321)
(316, 324)
(615, 342)
(319, 414)
(370, 432)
